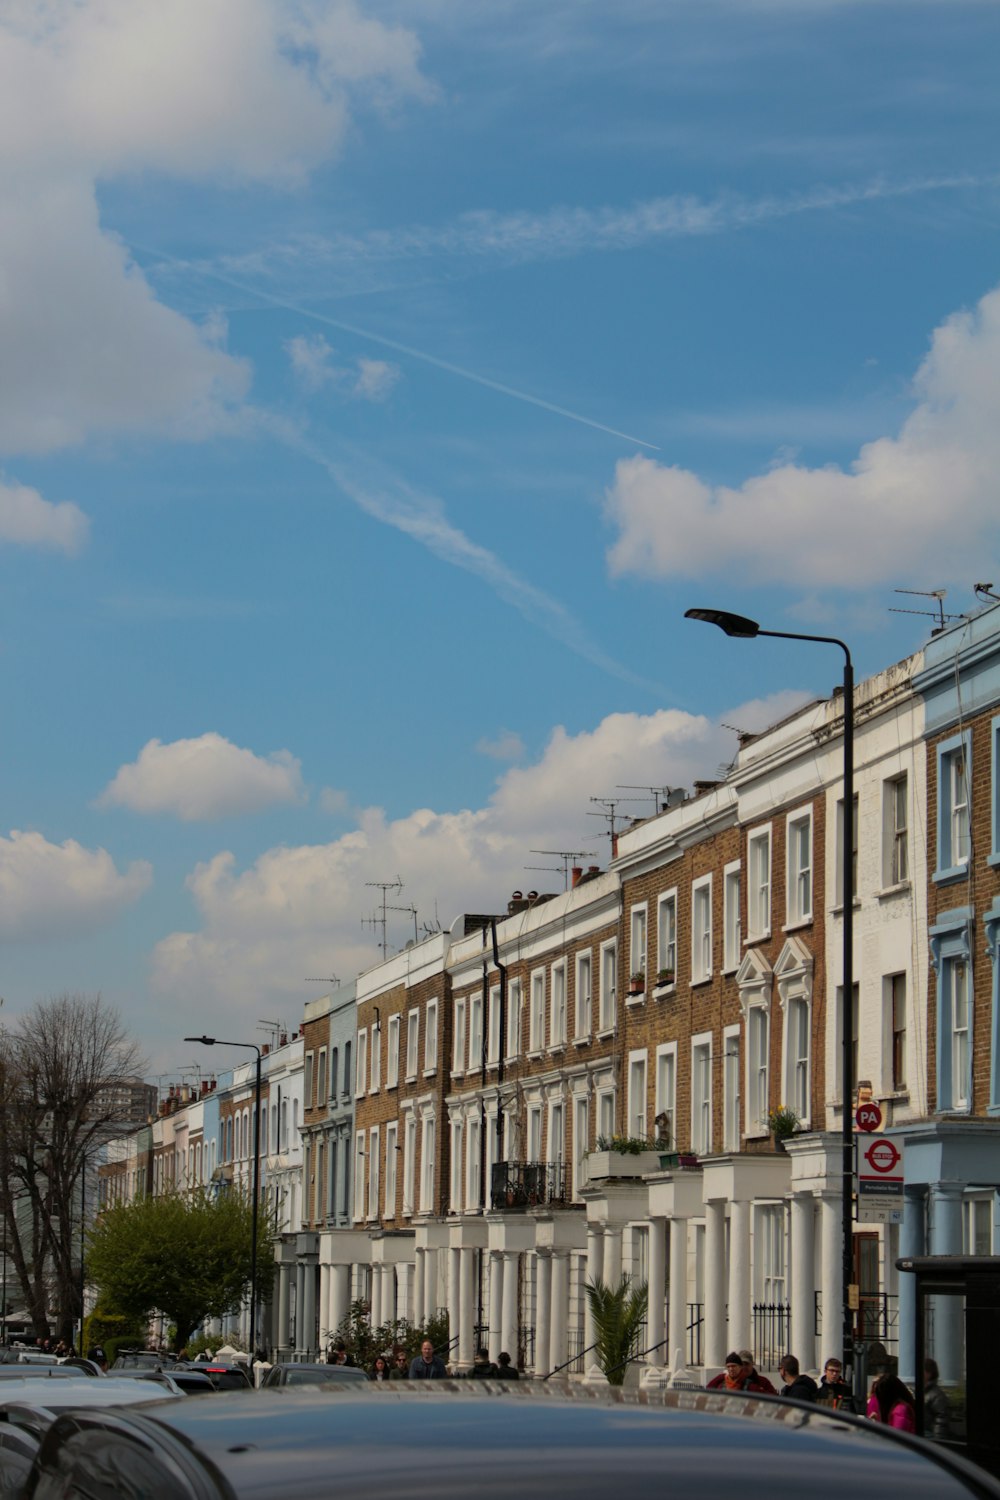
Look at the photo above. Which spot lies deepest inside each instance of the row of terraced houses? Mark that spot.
(436, 1135)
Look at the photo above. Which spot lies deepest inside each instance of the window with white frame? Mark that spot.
(666, 936)
(605, 1113)
(493, 1042)
(334, 1071)
(731, 1088)
(895, 830)
(392, 1053)
(770, 1257)
(609, 986)
(731, 944)
(412, 1042)
(514, 1003)
(758, 1023)
(637, 951)
(475, 1032)
(800, 866)
(584, 995)
(458, 1037)
(839, 883)
(894, 1001)
(978, 1211)
(954, 759)
(348, 1075)
(376, 1059)
(557, 1133)
(701, 1094)
(637, 1095)
(666, 1093)
(373, 1173)
(557, 1012)
(701, 930)
(455, 1198)
(427, 1149)
(957, 1011)
(360, 1082)
(472, 1163)
(321, 1079)
(307, 1081)
(534, 1132)
(431, 1037)
(759, 884)
(581, 1139)
(838, 1061)
(391, 1140)
(359, 1175)
(409, 1162)
(536, 1012)
(797, 1060)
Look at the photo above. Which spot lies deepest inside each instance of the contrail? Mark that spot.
(399, 348)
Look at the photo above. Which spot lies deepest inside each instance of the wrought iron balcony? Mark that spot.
(527, 1184)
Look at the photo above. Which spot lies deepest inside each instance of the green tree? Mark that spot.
(184, 1255)
(618, 1313)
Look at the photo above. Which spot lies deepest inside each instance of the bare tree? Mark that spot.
(64, 1070)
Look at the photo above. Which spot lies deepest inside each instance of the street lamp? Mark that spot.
(212, 1041)
(744, 629)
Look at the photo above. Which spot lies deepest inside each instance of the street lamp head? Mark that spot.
(206, 1041)
(737, 625)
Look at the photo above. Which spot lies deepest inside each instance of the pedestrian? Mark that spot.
(737, 1377)
(799, 1387)
(99, 1357)
(834, 1390)
(483, 1368)
(400, 1366)
(892, 1402)
(338, 1354)
(764, 1385)
(937, 1412)
(505, 1370)
(427, 1365)
(380, 1369)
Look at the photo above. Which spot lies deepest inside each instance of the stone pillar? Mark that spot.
(496, 1305)
(912, 1242)
(300, 1300)
(454, 1265)
(803, 1279)
(831, 1217)
(419, 1293)
(340, 1296)
(307, 1336)
(406, 1301)
(543, 1311)
(612, 1254)
(715, 1349)
(657, 1321)
(740, 1304)
(508, 1316)
(466, 1306)
(281, 1332)
(324, 1307)
(595, 1270)
(946, 1239)
(677, 1332)
(376, 1308)
(559, 1334)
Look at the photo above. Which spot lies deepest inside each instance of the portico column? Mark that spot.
(376, 1308)
(803, 1279)
(595, 1271)
(912, 1242)
(739, 1275)
(419, 1304)
(281, 1333)
(407, 1304)
(508, 1317)
(946, 1239)
(715, 1282)
(496, 1304)
(559, 1335)
(340, 1300)
(543, 1311)
(678, 1290)
(466, 1305)
(657, 1284)
(300, 1299)
(832, 1269)
(454, 1295)
(324, 1305)
(307, 1338)
(612, 1254)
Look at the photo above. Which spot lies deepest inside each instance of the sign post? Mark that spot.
(880, 1177)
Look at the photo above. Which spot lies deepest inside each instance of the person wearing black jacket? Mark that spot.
(427, 1365)
(483, 1368)
(507, 1371)
(800, 1387)
(833, 1391)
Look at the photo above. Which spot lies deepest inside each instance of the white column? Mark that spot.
(543, 1311)
(307, 1337)
(832, 1271)
(466, 1306)
(284, 1307)
(406, 1297)
(419, 1292)
(803, 1279)
(300, 1319)
(739, 1275)
(377, 1316)
(508, 1318)
(657, 1285)
(595, 1272)
(612, 1254)
(715, 1350)
(678, 1288)
(453, 1299)
(340, 1296)
(496, 1305)
(324, 1307)
(559, 1334)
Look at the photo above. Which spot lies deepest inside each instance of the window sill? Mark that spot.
(798, 923)
(639, 999)
(429, 1072)
(702, 979)
(950, 875)
(896, 1096)
(581, 1041)
(393, 1085)
(838, 910)
(661, 990)
(994, 858)
(605, 1036)
(557, 1050)
(458, 1073)
(411, 1078)
(534, 1055)
(901, 888)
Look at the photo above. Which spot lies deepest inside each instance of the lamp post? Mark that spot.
(742, 628)
(212, 1041)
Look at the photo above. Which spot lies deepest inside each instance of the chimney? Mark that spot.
(575, 873)
(283, 1042)
(204, 1087)
(265, 1049)
(211, 1086)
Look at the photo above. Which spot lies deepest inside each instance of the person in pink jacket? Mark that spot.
(891, 1402)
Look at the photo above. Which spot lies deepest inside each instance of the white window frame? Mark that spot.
(558, 1004)
(391, 1143)
(361, 1064)
(732, 947)
(431, 1037)
(455, 1195)
(584, 994)
(896, 830)
(759, 891)
(373, 1172)
(838, 874)
(376, 1059)
(960, 1025)
(473, 1126)
(666, 1089)
(308, 1081)
(412, 1043)
(732, 1079)
(581, 1140)
(606, 1106)
(770, 1235)
(799, 882)
(758, 1066)
(458, 1038)
(515, 1005)
(428, 1147)
(797, 1088)
(890, 1083)
(321, 1081)
(555, 1142)
(533, 1136)
(639, 938)
(359, 1176)
(409, 1162)
(701, 930)
(666, 932)
(701, 1105)
(493, 1029)
(608, 994)
(638, 1095)
(536, 1012)
(475, 1017)
(392, 1054)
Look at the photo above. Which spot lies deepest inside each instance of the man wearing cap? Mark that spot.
(737, 1377)
(746, 1355)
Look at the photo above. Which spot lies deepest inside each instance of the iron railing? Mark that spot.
(527, 1184)
(695, 1325)
(876, 1320)
(772, 1322)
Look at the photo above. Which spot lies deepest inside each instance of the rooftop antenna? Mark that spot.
(609, 804)
(274, 1028)
(933, 614)
(323, 979)
(385, 886)
(982, 590)
(565, 855)
(658, 794)
(412, 910)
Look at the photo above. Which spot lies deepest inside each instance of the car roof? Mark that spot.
(543, 1445)
(56, 1395)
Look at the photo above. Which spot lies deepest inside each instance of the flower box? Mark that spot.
(601, 1165)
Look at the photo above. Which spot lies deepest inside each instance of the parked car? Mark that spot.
(178, 1379)
(452, 1437)
(307, 1374)
(223, 1377)
(142, 1359)
(32, 1404)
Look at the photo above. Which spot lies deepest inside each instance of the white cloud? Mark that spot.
(296, 909)
(504, 746)
(376, 378)
(923, 502)
(28, 520)
(311, 359)
(54, 891)
(203, 779)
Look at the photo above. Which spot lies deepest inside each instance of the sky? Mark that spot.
(379, 384)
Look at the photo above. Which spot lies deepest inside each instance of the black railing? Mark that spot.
(526, 1184)
(695, 1324)
(876, 1320)
(525, 1347)
(772, 1323)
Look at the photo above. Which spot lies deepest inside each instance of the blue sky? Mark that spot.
(380, 383)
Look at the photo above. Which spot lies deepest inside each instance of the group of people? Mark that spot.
(427, 1365)
(890, 1401)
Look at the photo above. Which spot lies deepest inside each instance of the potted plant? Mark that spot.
(663, 1143)
(637, 982)
(782, 1123)
(664, 976)
(687, 1159)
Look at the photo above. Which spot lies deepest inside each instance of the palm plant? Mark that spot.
(618, 1313)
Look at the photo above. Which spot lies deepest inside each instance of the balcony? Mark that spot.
(517, 1185)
